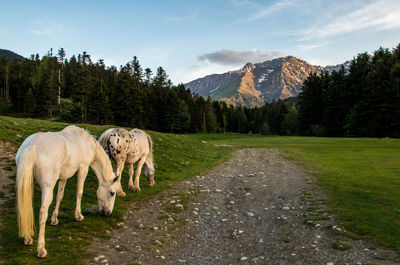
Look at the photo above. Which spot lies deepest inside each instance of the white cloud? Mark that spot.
(382, 14)
(236, 57)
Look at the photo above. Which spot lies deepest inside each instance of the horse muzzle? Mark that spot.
(105, 212)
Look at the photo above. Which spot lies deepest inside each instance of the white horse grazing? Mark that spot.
(128, 148)
(53, 156)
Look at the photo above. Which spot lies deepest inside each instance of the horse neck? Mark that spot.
(149, 160)
(101, 165)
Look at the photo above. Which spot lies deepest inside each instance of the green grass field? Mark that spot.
(360, 175)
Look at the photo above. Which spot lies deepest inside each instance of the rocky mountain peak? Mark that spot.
(248, 67)
(257, 84)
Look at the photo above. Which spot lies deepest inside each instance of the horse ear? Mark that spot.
(115, 179)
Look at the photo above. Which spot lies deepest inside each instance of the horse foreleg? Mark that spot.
(79, 191)
(47, 197)
(137, 175)
(118, 173)
(130, 182)
(60, 195)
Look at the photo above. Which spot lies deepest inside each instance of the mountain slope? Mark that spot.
(257, 84)
(11, 56)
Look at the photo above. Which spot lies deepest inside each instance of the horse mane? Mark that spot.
(97, 146)
(150, 146)
(81, 131)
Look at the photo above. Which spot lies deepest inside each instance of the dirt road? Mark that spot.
(256, 208)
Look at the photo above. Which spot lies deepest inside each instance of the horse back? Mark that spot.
(62, 153)
(118, 143)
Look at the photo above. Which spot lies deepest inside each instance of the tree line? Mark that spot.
(79, 90)
(363, 100)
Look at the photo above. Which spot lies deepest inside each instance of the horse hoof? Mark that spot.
(131, 187)
(79, 218)
(28, 241)
(42, 253)
(121, 194)
(54, 222)
(136, 189)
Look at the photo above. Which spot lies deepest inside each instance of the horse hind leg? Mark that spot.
(137, 175)
(130, 182)
(47, 197)
(60, 195)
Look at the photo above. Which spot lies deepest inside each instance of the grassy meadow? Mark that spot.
(360, 175)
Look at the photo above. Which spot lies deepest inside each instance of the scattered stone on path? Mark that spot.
(243, 258)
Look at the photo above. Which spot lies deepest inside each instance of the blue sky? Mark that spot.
(191, 39)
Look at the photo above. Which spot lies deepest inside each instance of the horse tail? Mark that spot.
(24, 187)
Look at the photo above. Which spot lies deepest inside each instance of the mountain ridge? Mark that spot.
(256, 84)
(10, 55)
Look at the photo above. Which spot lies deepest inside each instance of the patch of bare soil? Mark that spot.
(256, 208)
(7, 170)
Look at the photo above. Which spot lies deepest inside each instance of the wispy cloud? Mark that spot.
(381, 14)
(311, 46)
(264, 11)
(49, 29)
(243, 3)
(237, 57)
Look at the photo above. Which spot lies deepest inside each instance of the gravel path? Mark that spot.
(256, 208)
